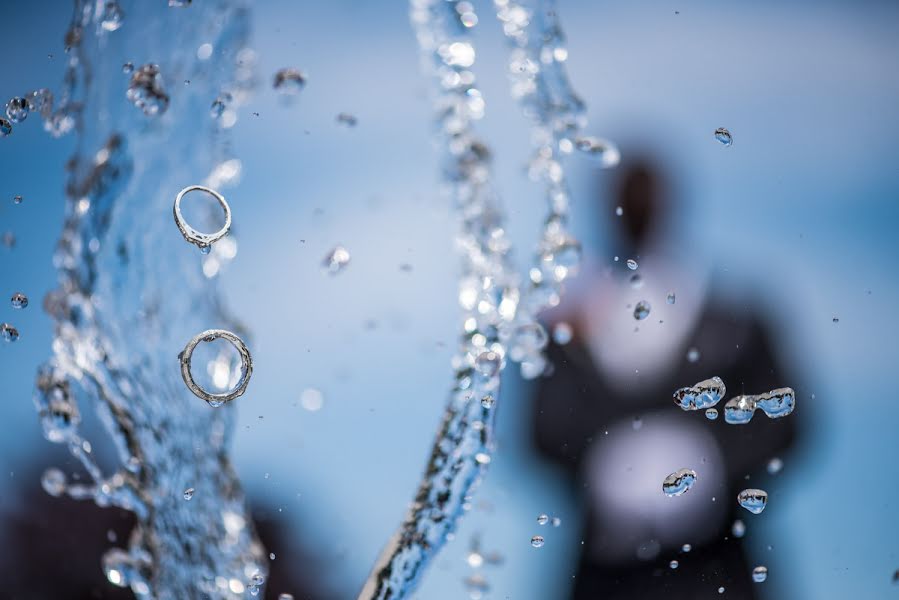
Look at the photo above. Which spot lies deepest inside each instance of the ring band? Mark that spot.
(216, 400)
(200, 239)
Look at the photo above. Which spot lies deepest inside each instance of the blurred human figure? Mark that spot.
(606, 411)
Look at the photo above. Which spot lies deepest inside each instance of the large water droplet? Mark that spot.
(760, 574)
(19, 300)
(777, 403)
(739, 410)
(146, 91)
(753, 500)
(724, 136)
(537, 541)
(641, 311)
(336, 260)
(289, 81)
(705, 394)
(488, 363)
(17, 109)
(8, 332)
(679, 482)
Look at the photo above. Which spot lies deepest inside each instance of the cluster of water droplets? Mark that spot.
(116, 335)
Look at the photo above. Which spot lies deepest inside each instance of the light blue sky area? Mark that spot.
(800, 213)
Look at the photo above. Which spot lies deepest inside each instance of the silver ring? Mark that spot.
(246, 364)
(200, 239)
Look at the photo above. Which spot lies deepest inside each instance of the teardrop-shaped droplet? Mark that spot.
(679, 482)
(753, 500)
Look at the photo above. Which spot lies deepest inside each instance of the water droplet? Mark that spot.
(686, 548)
(721, 590)
(488, 363)
(488, 401)
(738, 529)
(527, 341)
(537, 541)
(739, 410)
(312, 400)
(542, 519)
(632, 264)
(619, 211)
(711, 414)
(674, 564)
(5, 127)
(724, 136)
(603, 151)
(217, 109)
(188, 493)
(146, 91)
(128, 68)
(289, 81)
(692, 355)
(8, 332)
(775, 465)
(285, 596)
(556, 522)
(112, 16)
(760, 574)
(836, 319)
(17, 109)
(54, 482)
(347, 119)
(753, 500)
(336, 260)
(705, 394)
(17, 199)
(180, 3)
(637, 423)
(641, 311)
(118, 567)
(19, 300)
(636, 281)
(679, 482)
(671, 298)
(561, 258)
(562, 333)
(777, 403)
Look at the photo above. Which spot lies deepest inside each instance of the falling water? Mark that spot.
(500, 312)
(131, 292)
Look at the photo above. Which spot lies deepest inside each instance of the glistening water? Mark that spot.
(129, 289)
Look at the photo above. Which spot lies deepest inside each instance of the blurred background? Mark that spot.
(793, 225)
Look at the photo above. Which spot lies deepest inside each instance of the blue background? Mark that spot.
(800, 213)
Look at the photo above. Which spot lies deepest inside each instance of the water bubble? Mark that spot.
(488, 363)
(738, 529)
(146, 91)
(347, 119)
(671, 298)
(128, 68)
(112, 16)
(679, 482)
(54, 482)
(760, 574)
(17, 109)
(336, 260)
(641, 311)
(777, 403)
(686, 548)
(556, 522)
(537, 541)
(711, 414)
(8, 332)
(753, 500)
(312, 400)
(705, 394)
(562, 333)
(674, 564)
(603, 151)
(289, 81)
(488, 401)
(692, 355)
(5, 127)
(188, 493)
(542, 519)
(724, 136)
(19, 300)
(775, 465)
(632, 264)
(739, 410)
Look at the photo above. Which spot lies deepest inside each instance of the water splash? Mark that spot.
(116, 335)
(499, 309)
